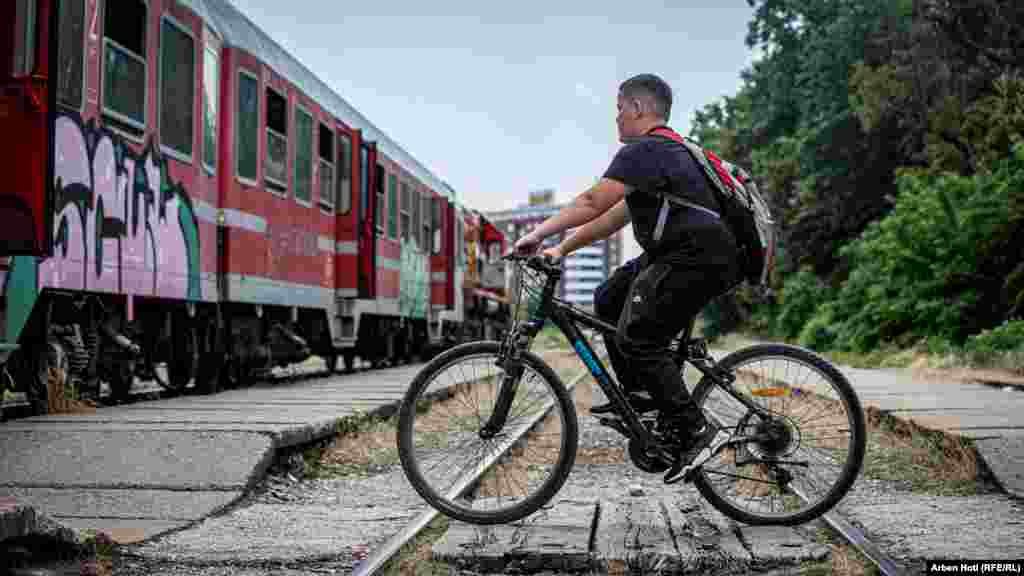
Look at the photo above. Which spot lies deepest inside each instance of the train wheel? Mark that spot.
(235, 375)
(186, 358)
(406, 347)
(121, 378)
(208, 372)
(331, 359)
(180, 357)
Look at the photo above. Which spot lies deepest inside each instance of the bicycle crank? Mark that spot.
(648, 459)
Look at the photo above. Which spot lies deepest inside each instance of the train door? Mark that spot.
(367, 225)
(27, 100)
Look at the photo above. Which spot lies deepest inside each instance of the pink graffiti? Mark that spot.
(115, 229)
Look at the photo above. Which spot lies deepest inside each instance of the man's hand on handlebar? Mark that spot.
(527, 245)
(526, 251)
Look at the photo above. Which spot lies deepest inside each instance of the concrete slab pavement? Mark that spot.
(140, 470)
(143, 469)
(992, 416)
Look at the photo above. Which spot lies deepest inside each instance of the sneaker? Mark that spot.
(699, 448)
(641, 404)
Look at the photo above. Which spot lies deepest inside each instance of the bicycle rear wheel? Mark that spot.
(815, 418)
(469, 475)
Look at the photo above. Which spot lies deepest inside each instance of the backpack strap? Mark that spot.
(708, 160)
(666, 132)
(681, 202)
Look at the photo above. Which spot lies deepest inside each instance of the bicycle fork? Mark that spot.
(506, 393)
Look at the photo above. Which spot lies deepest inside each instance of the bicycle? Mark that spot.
(771, 454)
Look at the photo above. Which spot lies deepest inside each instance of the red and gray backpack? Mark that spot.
(743, 209)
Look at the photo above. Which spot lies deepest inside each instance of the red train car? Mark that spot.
(192, 205)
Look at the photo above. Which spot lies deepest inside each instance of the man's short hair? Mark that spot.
(650, 85)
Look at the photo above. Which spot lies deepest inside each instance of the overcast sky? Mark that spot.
(500, 98)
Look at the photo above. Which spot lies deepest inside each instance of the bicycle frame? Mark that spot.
(568, 319)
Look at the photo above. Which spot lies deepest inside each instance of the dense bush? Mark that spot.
(1005, 340)
(883, 136)
(820, 332)
(915, 273)
(801, 296)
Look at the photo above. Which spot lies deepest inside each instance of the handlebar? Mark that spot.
(539, 262)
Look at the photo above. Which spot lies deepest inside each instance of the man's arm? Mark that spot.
(587, 206)
(609, 223)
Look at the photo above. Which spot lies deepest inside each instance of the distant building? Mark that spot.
(585, 269)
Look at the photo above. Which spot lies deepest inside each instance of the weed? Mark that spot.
(929, 461)
(365, 444)
(415, 558)
(844, 560)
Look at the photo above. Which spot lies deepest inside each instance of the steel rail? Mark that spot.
(854, 536)
(380, 556)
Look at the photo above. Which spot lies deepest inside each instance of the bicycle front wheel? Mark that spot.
(813, 437)
(474, 476)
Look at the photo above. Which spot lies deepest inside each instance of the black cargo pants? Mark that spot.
(652, 299)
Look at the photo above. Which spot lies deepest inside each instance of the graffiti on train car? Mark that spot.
(414, 294)
(121, 224)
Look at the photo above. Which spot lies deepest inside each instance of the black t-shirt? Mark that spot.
(649, 163)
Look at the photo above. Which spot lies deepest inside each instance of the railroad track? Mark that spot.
(846, 530)
(379, 557)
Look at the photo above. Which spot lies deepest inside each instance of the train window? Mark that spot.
(344, 173)
(425, 242)
(326, 138)
(124, 62)
(415, 205)
(248, 136)
(275, 165)
(71, 53)
(303, 157)
(392, 207)
(25, 39)
(364, 182)
(435, 216)
(460, 239)
(177, 88)
(406, 216)
(378, 208)
(211, 100)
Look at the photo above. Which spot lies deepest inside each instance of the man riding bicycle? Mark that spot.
(689, 257)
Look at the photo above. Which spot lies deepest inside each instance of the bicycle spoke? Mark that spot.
(496, 474)
(808, 429)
